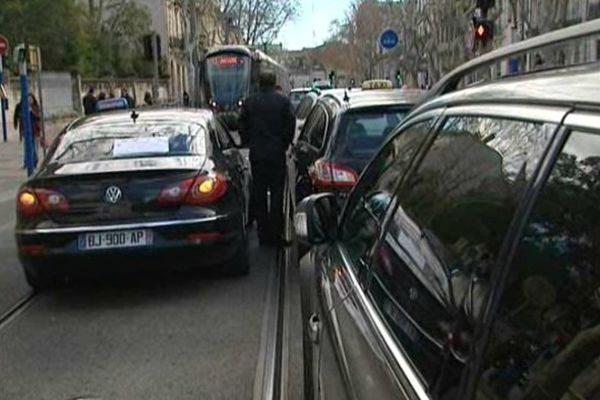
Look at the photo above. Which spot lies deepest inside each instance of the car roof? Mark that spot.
(568, 86)
(371, 98)
(144, 115)
(301, 90)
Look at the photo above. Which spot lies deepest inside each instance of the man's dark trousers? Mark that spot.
(268, 177)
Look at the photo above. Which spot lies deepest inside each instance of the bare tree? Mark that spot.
(259, 20)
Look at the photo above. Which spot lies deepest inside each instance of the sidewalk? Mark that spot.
(11, 157)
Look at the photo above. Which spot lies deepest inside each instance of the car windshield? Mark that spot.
(229, 78)
(129, 140)
(360, 133)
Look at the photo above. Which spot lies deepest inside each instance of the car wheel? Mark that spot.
(39, 278)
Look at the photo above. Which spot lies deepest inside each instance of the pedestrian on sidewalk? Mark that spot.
(125, 95)
(89, 102)
(267, 125)
(102, 96)
(186, 99)
(148, 99)
(36, 117)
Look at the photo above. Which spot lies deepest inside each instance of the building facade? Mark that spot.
(522, 19)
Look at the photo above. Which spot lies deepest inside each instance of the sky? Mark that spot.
(311, 27)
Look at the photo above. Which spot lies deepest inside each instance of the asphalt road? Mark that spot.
(168, 336)
(12, 282)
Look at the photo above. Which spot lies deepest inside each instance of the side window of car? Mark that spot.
(316, 136)
(305, 106)
(545, 340)
(431, 272)
(368, 203)
(311, 121)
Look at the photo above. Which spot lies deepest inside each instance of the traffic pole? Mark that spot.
(26, 115)
(3, 104)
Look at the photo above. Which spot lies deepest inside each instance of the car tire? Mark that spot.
(39, 280)
(239, 265)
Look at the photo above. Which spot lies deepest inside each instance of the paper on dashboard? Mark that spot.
(146, 145)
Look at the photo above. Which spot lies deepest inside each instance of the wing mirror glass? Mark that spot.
(315, 220)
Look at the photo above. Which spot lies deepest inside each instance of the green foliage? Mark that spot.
(55, 26)
(96, 42)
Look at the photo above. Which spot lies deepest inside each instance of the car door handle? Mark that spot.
(314, 328)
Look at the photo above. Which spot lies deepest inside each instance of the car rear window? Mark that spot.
(361, 133)
(129, 140)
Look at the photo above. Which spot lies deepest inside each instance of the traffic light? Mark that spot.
(484, 31)
(398, 78)
(332, 78)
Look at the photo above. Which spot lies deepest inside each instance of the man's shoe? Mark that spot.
(280, 242)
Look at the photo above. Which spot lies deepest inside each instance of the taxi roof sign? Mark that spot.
(377, 84)
(112, 104)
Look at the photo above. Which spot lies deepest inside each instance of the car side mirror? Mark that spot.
(316, 218)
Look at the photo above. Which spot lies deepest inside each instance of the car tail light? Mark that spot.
(329, 176)
(206, 237)
(34, 202)
(201, 191)
(33, 249)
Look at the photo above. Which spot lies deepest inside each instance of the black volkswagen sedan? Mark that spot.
(465, 264)
(163, 183)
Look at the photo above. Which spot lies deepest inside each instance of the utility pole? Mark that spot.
(191, 43)
(155, 39)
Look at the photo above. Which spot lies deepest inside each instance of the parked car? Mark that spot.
(465, 263)
(341, 134)
(162, 184)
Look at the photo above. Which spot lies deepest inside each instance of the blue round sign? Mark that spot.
(388, 39)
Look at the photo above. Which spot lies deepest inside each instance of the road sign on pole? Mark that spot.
(388, 39)
(3, 101)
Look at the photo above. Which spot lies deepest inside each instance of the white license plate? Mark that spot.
(112, 240)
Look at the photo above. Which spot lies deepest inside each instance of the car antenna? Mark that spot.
(134, 116)
(346, 97)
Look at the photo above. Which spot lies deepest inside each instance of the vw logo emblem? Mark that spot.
(113, 195)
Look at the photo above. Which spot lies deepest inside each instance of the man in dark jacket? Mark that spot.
(89, 102)
(267, 125)
(125, 95)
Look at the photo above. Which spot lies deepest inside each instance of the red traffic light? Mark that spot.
(484, 31)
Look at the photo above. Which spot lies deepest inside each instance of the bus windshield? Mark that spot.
(228, 77)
